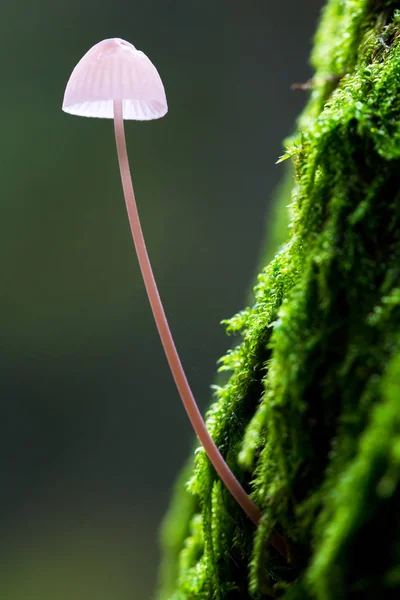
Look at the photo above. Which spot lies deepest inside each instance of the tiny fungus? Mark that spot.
(115, 81)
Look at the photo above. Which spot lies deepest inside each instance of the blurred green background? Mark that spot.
(92, 430)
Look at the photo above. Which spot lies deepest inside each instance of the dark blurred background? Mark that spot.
(92, 431)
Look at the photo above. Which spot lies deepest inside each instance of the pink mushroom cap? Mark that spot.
(114, 70)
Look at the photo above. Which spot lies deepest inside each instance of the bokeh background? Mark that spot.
(92, 431)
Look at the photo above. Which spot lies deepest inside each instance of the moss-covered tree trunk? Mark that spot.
(310, 418)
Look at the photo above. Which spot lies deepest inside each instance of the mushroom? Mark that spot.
(115, 81)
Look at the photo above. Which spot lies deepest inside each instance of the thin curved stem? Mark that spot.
(277, 541)
(165, 334)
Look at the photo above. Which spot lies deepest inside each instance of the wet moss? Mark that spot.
(309, 420)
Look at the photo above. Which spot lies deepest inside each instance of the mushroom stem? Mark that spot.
(165, 334)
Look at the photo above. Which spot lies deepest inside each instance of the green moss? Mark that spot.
(309, 420)
(176, 528)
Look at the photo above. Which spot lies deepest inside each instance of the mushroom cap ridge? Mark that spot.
(114, 70)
